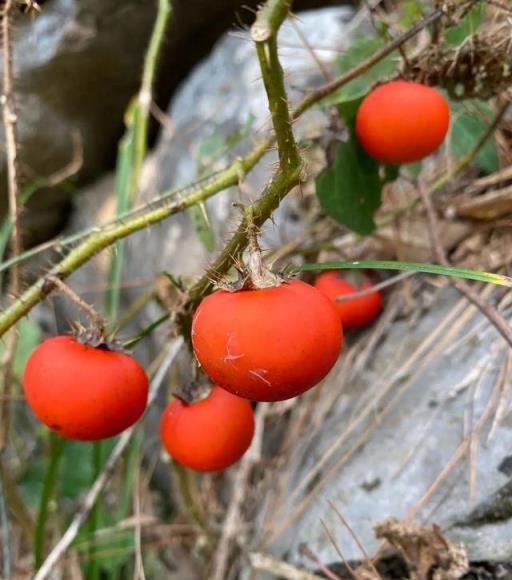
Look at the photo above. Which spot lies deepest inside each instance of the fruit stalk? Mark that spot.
(264, 33)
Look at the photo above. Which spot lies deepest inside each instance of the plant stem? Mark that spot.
(11, 142)
(264, 33)
(56, 448)
(132, 151)
(261, 211)
(104, 238)
(146, 91)
(11, 149)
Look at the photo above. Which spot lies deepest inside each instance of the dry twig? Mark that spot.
(11, 145)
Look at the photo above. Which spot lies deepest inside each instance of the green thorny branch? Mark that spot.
(154, 212)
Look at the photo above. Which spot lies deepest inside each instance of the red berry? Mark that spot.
(83, 392)
(270, 344)
(355, 312)
(210, 434)
(401, 122)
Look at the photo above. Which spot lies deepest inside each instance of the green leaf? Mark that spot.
(75, 473)
(391, 173)
(467, 26)
(202, 224)
(419, 267)
(468, 125)
(348, 110)
(359, 87)
(349, 190)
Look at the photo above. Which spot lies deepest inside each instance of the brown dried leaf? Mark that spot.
(489, 206)
(427, 553)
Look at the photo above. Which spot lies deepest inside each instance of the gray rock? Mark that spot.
(427, 386)
(76, 66)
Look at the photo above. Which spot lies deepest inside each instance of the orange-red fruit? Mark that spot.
(210, 434)
(355, 312)
(270, 344)
(402, 121)
(83, 392)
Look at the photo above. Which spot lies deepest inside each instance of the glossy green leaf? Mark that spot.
(470, 119)
(350, 190)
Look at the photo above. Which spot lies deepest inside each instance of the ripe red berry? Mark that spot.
(210, 434)
(355, 312)
(83, 392)
(401, 122)
(270, 344)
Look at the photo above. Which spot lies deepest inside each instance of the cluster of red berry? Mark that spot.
(260, 345)
(267, 344)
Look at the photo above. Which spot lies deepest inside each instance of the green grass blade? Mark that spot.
(132, 151)
(56, 448)
(131, 154)
(419, 267)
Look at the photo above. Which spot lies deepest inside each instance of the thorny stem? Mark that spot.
(169, 205)
(264, 33)
(96, 319)
(11, 142)
(261, 211)
(104, 238)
